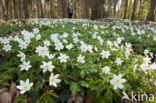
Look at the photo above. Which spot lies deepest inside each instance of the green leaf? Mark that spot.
(74, 88)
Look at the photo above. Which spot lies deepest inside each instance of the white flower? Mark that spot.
(84, 48)
(75, 39)
(65, 41)
(51, 56)
(117, 81)
(105, 54)
(47, 66)
(25, 66)
(24, 32)
(109, 43)
(22, 56)
(80, 59)
(38, 37)
(95, 27)
(129, 46)
(16, 38)
(65, 35)
(151, 54)
(95, 48)
(147, 60)
(58, 46)
(27, 40)
(5, 40)
(70, 46)
(118, 61)
(106, 70)
(24, 86)
(63, 57)
(7, 47)
(94, 36)
(119, 40)
(46, 43)
(152, 66)
(23, 45)
(90, 48)
(146, 52)
(144, 66)
(54, 37)
(53, 80)
(32, 35)
(35, 30)
(42, 51)
(127, 53)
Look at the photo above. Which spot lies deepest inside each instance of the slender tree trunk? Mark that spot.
(45, 9)
(150, 16)
(15, 10)
(7, 5)
(10, 9)
(42, 9)
(31, 8)
(125, 11)
(20, 9)
(87, 3)
(140, 9)
(38, 9)
(58, 9)
(115, 2)
(51, 8)
(64, 8)
(109, 8)
(93, 9)
(134, 10)
(25, 6)
(75, 11)
(3, 7)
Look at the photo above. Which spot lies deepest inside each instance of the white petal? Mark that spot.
(27, 81)
(31, 84)
(19, 87)
(54, 84)
(22, 82)
(22, 92)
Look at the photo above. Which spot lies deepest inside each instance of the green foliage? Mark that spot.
(80, 77)
(47, 97)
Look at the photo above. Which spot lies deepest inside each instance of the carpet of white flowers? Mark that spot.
(82, 54)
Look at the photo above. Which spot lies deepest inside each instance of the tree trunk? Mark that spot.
(93, 9)
(15, 9)
(11, 9)
(134, 10)
(26, 11)
(19, 9)
(75, 11)
(115, 2)
(3, 7)
(51, 8)
(140, 9)
(42, 10)
(38, 9)
(151, 16)
(109, 11)
(125, 11)
(87, 3)
(64, 8)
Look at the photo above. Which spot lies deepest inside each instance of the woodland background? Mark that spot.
(85, 9)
